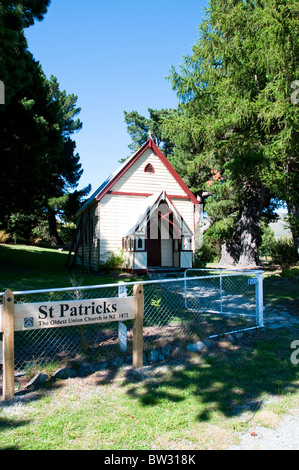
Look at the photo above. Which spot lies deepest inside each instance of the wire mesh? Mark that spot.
(204, 303)
(221, 300)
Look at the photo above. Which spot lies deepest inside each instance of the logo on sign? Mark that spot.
(28, 322)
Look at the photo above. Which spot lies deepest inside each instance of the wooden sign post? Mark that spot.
(31, 316)
(138, 327)
(8, 346)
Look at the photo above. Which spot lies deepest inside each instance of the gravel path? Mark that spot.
(284, 437)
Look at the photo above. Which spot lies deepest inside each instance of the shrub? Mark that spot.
(206, 254)
(67, 232)
(268, 239)
(283, 252)
(111, 262)
(291, 273)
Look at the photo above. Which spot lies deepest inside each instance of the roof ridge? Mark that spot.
(104, 187)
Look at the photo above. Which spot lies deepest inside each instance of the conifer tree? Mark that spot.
(39, 165)
(236, 113)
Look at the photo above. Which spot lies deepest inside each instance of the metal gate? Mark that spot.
(202, 304)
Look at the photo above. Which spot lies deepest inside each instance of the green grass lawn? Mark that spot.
(279, 290)
(31, 268)
(199, 402)
(195, 402)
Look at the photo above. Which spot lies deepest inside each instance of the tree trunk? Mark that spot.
(54, 237)
(242, 249)
(250, 238)
(230, 253)
(230, 250)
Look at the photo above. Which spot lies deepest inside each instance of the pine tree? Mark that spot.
(39, 165)
(236, 113)
(141, 129)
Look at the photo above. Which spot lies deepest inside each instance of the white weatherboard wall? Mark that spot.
(137, 181)
(186, 209)
(88, 255)
(116, 213)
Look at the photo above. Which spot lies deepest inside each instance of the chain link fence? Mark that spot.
(202, 304)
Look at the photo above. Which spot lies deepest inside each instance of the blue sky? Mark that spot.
(115, 56)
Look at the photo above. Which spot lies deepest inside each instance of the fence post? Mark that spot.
(221, 300)
(185, 287)
(8, 346)
(259, 300)
(138, 327)
(122, 329)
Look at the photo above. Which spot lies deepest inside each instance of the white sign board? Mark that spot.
(71, 313)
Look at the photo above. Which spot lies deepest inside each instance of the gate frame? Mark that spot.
(259, 297)
(138, 292)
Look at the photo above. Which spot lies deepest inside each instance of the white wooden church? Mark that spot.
(145, 210)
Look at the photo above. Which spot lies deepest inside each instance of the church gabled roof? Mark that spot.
(111, 180)
(146, 209)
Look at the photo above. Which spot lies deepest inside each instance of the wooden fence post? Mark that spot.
(138, 327)
(8, 346)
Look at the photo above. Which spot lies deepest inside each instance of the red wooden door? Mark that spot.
(153, 252)
(153, 247)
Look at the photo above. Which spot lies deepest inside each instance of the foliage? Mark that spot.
(41, 234)
(15, 16)
(218, 233)
(20, 224)
(207, 253)
(141, 128)
(284, 253)
(235, 115)
(111, 262)
(67, 231)
(268, 239)
(293, 221)
(39, 166)
(290, 273)
(234, 136)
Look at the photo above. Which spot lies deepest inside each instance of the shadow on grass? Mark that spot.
(8, 424)
(25, 396)
(5, 424)
(229, 379)
(12, 423)
(280, 291)
(22, 397)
